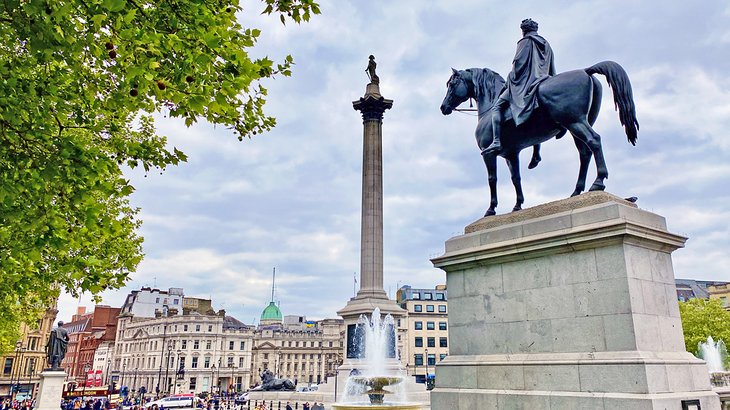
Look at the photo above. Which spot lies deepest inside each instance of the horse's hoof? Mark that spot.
(516, 208)
(490, 212)
(597, 187)
(575, 193)
(534, 163)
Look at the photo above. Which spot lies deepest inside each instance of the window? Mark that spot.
(418, 325)
(416, 296)
(330, 344)
(196, 344)
(230, 345)
(304, 366)
(418, 308)
(442, 308)
(243, 345)
(182, 362)
(431, 342)
(429, 308)
(193, 382)
(266, 355)
(430, 326)
(197, 328)
(229, 363)
(206, 362)
(185, 328)
(210, 328)
(183, 344)
(419, 342)
(419, 360)
(157, 300)
(174, 301)
(442, 356)
(431, 359)
(440, 296)
(194, 364)
(398, 322)
(8, 366)
(442, 325)
(240, 362)
(723, 299)
(428, 296)
(442, 342)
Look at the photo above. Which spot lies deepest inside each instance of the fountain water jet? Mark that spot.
(375, 378)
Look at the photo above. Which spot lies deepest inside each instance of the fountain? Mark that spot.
(714, 353)
(376, 375)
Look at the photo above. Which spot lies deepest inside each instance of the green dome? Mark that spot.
(271, 313)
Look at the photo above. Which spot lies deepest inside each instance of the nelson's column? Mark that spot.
(371, 294)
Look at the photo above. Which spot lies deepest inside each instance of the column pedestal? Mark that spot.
(567, 305)
(50, 390)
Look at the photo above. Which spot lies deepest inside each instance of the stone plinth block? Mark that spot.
(569, 304)
(50, 390)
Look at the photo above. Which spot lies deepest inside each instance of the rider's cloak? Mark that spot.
(532, 65)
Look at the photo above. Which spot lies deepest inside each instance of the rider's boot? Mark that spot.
(496, 146)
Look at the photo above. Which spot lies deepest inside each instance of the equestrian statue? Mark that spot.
(535, 105)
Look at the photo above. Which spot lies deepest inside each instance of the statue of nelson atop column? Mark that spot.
(56, 346)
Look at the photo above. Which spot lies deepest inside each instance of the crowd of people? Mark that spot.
(9, 404)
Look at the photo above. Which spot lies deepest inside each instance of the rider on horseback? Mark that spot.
(533, 63)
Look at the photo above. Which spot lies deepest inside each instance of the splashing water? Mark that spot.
(377, 348)
(713, 353)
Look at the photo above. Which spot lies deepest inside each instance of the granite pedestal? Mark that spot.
(50, 390)
(567, 305)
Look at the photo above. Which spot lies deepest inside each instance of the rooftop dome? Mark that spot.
(271, 313)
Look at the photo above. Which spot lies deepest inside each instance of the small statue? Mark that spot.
(56, 346)
(371, 71)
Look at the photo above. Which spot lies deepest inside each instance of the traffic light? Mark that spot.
(112, 387)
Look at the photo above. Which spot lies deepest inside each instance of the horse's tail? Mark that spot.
(623, 98)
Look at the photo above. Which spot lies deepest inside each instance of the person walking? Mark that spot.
(288, 406)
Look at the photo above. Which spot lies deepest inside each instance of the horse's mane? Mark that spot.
(486, 82)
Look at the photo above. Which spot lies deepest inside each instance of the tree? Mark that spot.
(702, 318)
(79, 82)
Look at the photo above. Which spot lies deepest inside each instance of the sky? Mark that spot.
(217, 225)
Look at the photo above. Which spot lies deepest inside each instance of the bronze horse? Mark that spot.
(567, 101)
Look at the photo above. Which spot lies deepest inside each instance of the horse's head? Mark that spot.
(459, 88)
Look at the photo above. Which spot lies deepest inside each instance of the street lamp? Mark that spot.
(121, 379)
(31, 368)
(167, 366)
(108, 363)
(426, 366)
(16, 369)
(87, 367)
(177, 370)
(212, 378)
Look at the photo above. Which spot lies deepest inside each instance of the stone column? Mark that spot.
(570, 304)
(50, 390)
(372, 106)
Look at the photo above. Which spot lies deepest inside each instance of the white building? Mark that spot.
(214, 351)
(148, 302)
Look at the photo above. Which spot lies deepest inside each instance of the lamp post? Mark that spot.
(121, 378)
(162, 357)
(212, 377)
(231, 388)
(31, 368)
(87, 367)
(426, 366)
(218, 376)
(338, 363)
(167, 367)
(108, 363)
(16, 368)
(177, 369)
(134, 382)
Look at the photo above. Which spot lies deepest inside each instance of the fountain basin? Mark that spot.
(368, 406)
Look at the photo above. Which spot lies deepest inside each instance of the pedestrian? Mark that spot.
(306, 406)
(288, 406)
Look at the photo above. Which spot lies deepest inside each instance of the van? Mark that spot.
(170, 402)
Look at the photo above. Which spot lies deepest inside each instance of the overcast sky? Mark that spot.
(290, 199)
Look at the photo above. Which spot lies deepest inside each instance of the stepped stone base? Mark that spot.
(570, 304)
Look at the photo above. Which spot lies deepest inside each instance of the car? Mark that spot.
(170, 402)
(241, 398)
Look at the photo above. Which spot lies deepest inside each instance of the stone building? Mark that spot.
(306, 354)
(23, 366)
(720, 291)
(423, 333)
(213, 350)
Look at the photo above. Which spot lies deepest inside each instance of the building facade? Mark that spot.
(148, 302)
(423, 334)
(86, 332)
(720, 291)
(212, 350)
(22, 367)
